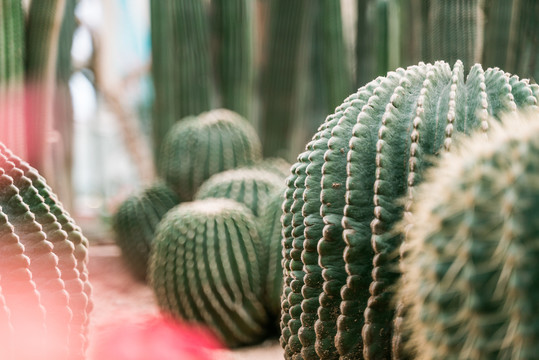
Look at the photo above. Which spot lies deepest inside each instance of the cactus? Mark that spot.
(135, 222)
(44, 278)
(340, 205)
(278, 166)
(180, 35)
(251, 187)
(199, 147)
(471, 266)
(205, 268)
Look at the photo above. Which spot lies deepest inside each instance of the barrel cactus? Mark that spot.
(135, 222)
(205, 269)
(471, 261)
(198, 147)
(43, 273)
(251, 187)
(340, 253)
(278, 166)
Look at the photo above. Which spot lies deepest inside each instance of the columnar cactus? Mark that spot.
(341, 203)
(251, 187)
(198, 147)
(470, 270)
(44, 279)
(135, 222)
(205, 268)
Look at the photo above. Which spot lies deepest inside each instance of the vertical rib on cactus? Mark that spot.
(376, 146)
(471, 270)
(205, 268)
(12, 128)
(233, 22)
(180, 35)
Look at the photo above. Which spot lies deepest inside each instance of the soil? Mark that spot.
(118, 298)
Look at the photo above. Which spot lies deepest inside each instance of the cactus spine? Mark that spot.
(135, 222)
(340, 206)
(471, 266)
(199, 147)
(205, 268)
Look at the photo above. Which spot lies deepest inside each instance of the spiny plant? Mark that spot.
(135, 222)
(249, 186)
(470, 272)
(340, 253)
(278, 166)
(198, 147)
(43, 273)
(205, 268)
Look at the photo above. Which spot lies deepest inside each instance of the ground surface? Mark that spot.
(119, 298)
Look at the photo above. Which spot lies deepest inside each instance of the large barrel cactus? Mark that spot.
(471, 269)
(43, 274)
(205, 268)
(249, 186)
(198, 147)
(340, 253)
(135, 222)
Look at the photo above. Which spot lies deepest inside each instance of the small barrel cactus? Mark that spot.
(276, 165)
(471, 268)
(198, 147)
(43, 273)
(340, 253)
(135, 222)
(251, 187)
(205, 268)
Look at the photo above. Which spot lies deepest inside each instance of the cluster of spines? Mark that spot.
(470, 270)
(54, 255)
(355, 250)
(135, 222)
(199, 147)
(205, 268)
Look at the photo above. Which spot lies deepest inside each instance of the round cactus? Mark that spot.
(135, 222)
(43, 273)
(340, 253)
(249, 186)
(471, 267)
(195, 148)
(278, 166)
(205, 268)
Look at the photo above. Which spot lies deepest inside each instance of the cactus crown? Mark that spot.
(341, 203)
(198, 147)
(471, 267)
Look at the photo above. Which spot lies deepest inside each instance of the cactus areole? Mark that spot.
(345, 195)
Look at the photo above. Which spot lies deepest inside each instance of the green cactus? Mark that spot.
(278, 166)
(470, 269)
(251, 187)
(205, 268)
(135, 222)
(340, 206)
(198, 147)
(53, 255)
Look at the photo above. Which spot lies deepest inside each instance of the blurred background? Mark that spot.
(89, 88)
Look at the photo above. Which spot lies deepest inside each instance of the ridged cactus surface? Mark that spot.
(135, 222)
(471, 271)
(43, 273)
(205, 269)
(340, 253)
(198, 147)
(251, 187)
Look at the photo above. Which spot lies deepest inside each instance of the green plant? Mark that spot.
(249, 186)
(198, 147)
(205, 268)
(278, 166)
(340, 253)
(135, 222)
(44, 279)
(470, 274)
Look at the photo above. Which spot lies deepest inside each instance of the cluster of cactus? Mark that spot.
(470, 274)
(198, 147)
(340, 251)
(43, 274)
(135, 222)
